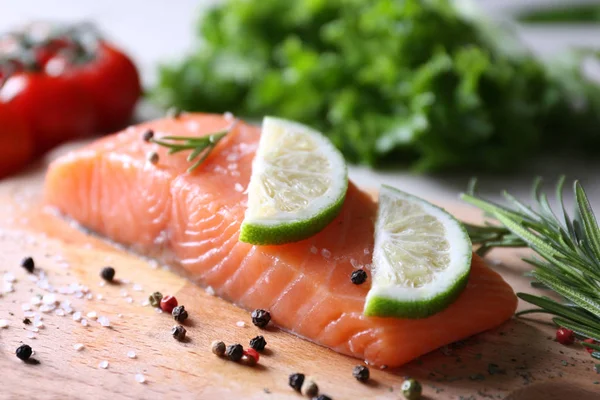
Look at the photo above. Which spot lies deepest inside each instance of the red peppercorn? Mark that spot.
(590, 341)
(565, 336)
(252, 353)
(168, 303)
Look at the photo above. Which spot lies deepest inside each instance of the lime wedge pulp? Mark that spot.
(298, 184)
(421, 258)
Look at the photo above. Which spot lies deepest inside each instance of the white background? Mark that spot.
(155, 31)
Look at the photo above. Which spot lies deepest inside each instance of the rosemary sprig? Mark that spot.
(568, 251)
(200, 146)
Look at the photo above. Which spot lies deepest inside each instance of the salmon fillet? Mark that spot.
(193, 221)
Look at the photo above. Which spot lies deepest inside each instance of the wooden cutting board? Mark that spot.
(519, 360)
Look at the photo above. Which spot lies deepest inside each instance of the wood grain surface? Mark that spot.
(519, 360)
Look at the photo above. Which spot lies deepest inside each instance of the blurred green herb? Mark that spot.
(429, 83)
(567, 250)
(570, 13)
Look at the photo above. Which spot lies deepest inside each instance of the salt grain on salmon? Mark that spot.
(131, 354)
(103, 364)
(202, 214)
(77, 316)
(140, 378)
(92, 315)
(3, 323)
(104, 321)
(238, 187)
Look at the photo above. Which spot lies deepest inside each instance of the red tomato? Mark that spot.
(112, 83)
(55, 107)
(16, 143)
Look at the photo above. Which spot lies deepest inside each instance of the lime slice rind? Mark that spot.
(298, 184)
(421, 259)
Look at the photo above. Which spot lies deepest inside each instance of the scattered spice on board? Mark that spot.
(261, 318)
(494, 369)
(253, 354)
(149, 134)
(152, 157)
(178, 332)
(28, 264)
(155, 299)
(218, 348)
(24, 352)
(168, 303)
(234, 352)
(179, 314)
(411, 389)
(309, 388)
(108, 274)
(358, 277)
(361, 373)
(258, 343)
(565, 336)
(295, 381)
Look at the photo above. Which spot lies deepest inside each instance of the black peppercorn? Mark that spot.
(361, 373)
(108, 274)
(179, 314)
(258, 343)
(148, 135)
(260, 318)
(26, 321)
(24, 352)
(178, 332)
(155, 299)
(296, 381)
(28, 264)
(234, 352)
(358, 277)
(322, 397)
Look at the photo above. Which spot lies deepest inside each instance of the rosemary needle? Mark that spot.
(568, 250)
(201, 146)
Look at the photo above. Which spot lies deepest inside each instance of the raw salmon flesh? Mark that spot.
(193, 220)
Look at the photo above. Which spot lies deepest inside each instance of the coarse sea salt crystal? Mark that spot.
(145, 303)
(30, 335)
(59, 312)
(238, 187)
(29, 314)
(137, 288)
(99, 297)
(124, 293)
(78, 346)
(36, 301)
(3, 323)
(129, 300)
(77, 316)
(241, 324)
(140, 378)
(26, 307)
(104, 321)
(49, 298)
(46, 308)
(131, 354)
(9, 277)
(103, 364)
(39, 324)
(102, 284)
(210, 290)
(84, 322)
(92, 315)
(325, 253)
(89, 296)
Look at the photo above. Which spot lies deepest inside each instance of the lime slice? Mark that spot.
(421, 259)
(298, 184)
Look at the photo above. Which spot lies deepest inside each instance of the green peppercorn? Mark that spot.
(218, 348)
(234, 352)
(411, 389)
(178, 332)
(155, 299)
(179, 314)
